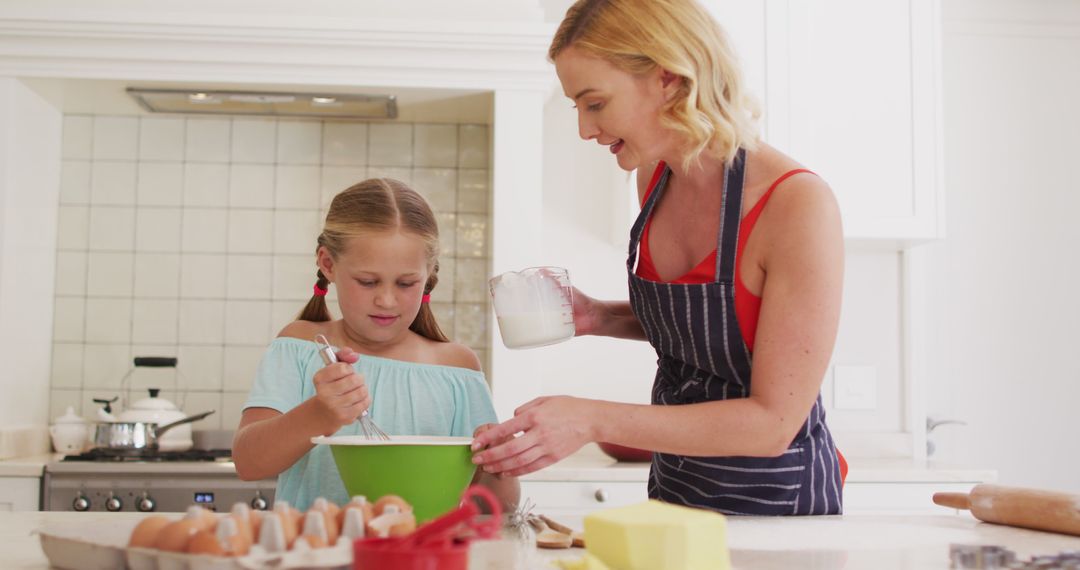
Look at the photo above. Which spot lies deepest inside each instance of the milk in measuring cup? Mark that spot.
(534, 307)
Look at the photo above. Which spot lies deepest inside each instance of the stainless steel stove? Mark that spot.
(162, 481)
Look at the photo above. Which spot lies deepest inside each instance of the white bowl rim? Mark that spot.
(359, 440)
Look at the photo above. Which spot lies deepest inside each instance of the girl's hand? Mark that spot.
(341, 394)
(554, 427)
(587, 313)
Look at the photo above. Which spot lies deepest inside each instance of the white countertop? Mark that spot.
(591, 464)
(588, 464)
(850, 542)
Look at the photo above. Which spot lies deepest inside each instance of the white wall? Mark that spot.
(29, 181)
(1004, 356)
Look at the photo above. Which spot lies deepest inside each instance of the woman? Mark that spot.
(735, 271)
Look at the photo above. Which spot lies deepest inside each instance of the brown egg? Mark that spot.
(241, 513)
(174, 537)
(290, 521)
(204, 542)
(385, 500)
(314, 541)
(256, 523)
(206, 519)
(146, 532)
(392, 522)
(361, 503)
(405, 527)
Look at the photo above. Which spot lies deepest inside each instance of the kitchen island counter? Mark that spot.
(850, 542)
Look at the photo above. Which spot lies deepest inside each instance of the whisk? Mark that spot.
(367, 425)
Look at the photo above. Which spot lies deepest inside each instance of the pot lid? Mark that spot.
(69, 417)
(154, 403)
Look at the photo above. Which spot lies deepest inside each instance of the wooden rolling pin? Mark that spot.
(1026, 508)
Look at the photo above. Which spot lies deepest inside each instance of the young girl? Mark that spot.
(379, 248)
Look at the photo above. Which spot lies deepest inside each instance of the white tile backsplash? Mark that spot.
(195, 237)
(69, 318)
(202, 276)
(116, 138)
(78, 137)
(251, 186)
(70, 273)
(112, 228)
(104, 366)
(197, 401)
(297, 187)
(249, 277)
(335, 179)
(110, 274)
(390, 144)
(206, 184)
(438, 186)
(161, 139)
(296, 231)
(112, 183)
(75, 182)
(158, 229)
(251, 231)
(241, 365)
(299, 142)
(473, 146)
(247, 322)
(202, 322)
(435, 146)
(345, 144)
(73, 225)
(157, 275)
(294, 277)
(254, 141)
(160, 184)
(207, 140)
(67, 365)
(201, 367)
(61, 399)
(155, 320)
(108, 320)
(204, 230)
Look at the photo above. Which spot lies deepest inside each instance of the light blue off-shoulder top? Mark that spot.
(407, 399)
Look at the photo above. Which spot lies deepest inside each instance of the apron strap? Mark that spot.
(727, 238)
(643, 217)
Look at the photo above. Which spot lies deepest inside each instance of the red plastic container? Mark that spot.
(439, 544)
(623, 453)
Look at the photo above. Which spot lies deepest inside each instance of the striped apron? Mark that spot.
(702, 357)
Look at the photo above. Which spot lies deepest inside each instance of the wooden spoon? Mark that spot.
(578, 538)
(547, 537)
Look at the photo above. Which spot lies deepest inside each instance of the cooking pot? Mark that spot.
(155, 410)
(133, 438)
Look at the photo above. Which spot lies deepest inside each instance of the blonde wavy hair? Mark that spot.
(374, 205)
(711, 108)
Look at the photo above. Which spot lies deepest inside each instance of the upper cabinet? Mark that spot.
(852, 90)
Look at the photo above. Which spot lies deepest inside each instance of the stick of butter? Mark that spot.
(655, 535)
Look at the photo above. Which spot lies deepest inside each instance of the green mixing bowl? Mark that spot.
(429, 472)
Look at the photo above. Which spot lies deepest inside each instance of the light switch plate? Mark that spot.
(855, 387)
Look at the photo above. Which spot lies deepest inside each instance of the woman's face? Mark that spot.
(617, 109)
(380, 280)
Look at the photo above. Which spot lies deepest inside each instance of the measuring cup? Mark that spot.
(534, 306)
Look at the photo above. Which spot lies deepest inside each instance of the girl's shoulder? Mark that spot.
(305, 330)
(453, 354)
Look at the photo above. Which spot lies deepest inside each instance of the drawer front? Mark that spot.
(581, 497)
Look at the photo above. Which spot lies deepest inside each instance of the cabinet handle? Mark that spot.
(600, 495)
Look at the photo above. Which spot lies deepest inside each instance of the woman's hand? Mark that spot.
(588, 313)
(553, 427)
(341, 394)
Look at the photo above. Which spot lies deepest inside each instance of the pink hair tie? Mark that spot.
(320, 292)
(425, 299)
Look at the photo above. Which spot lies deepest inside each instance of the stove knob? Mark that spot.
(81, 503)
(146, 504)
(113, 504)
(259, 503)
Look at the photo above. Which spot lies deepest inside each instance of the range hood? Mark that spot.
(217, 102)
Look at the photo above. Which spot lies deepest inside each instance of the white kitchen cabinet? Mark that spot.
(20, 493)
(579, 498)
(855, 95)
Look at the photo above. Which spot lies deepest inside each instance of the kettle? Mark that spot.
(160, 411)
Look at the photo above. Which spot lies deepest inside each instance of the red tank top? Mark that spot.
(747, 305)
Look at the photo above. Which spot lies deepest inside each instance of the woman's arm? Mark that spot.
(605, 318)
(796, 331)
